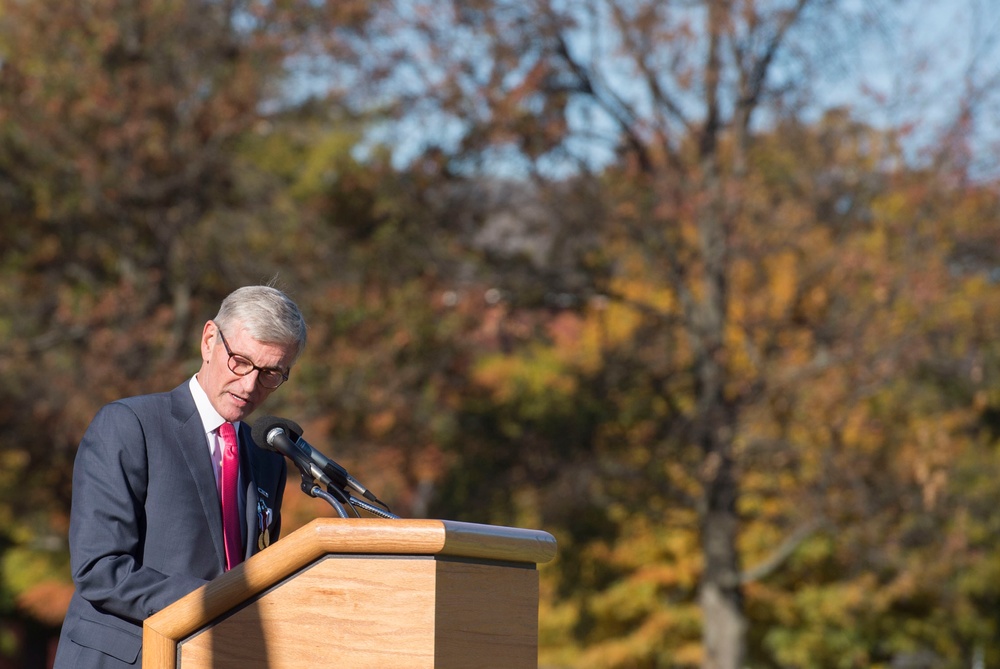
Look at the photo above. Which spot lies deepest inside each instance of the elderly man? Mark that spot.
(169, 489)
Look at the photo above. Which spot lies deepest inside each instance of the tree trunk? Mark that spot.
(720, 594)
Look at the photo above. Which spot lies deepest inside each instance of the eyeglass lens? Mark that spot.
(269, 378)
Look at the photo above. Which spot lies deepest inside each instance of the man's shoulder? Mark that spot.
(178, 400)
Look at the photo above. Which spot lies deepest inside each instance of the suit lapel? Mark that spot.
(190, 439)
(258, 502)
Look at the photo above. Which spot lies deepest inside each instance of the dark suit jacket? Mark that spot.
(146, 522)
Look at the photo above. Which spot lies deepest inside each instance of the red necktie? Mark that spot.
(231, 495)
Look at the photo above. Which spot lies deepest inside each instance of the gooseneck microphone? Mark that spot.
(285, 436)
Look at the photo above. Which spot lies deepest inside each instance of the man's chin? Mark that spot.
(242, 415)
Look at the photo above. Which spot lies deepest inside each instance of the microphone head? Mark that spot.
(262, 428)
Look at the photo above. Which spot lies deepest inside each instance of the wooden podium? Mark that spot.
(392, 594)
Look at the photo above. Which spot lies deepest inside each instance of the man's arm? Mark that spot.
(108, 521)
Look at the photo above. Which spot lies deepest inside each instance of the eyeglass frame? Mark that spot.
(261, 371)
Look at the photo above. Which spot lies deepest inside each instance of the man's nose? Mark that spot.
(248, 382)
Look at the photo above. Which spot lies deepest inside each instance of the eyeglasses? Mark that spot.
(269, 377)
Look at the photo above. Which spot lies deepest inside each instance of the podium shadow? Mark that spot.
(236, 639)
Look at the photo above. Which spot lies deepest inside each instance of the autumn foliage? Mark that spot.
(735, 349)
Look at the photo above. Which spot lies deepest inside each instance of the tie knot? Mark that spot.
(228, 434)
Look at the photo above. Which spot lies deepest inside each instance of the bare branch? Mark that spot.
(784, 551)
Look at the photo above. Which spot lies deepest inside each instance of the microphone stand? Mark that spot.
(310, 488)
(337, 498)
(371, 508)
(316, 491)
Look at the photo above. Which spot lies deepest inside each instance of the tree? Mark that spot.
(128, 210)
(678, 96)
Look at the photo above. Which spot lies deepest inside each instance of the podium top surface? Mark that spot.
(431, 537)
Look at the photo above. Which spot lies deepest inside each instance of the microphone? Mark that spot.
(277, 434)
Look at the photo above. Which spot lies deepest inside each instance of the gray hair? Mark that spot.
(268, 315)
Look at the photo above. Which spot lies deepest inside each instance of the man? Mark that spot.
(146, 525)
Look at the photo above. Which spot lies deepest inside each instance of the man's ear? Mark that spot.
(208, 335)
